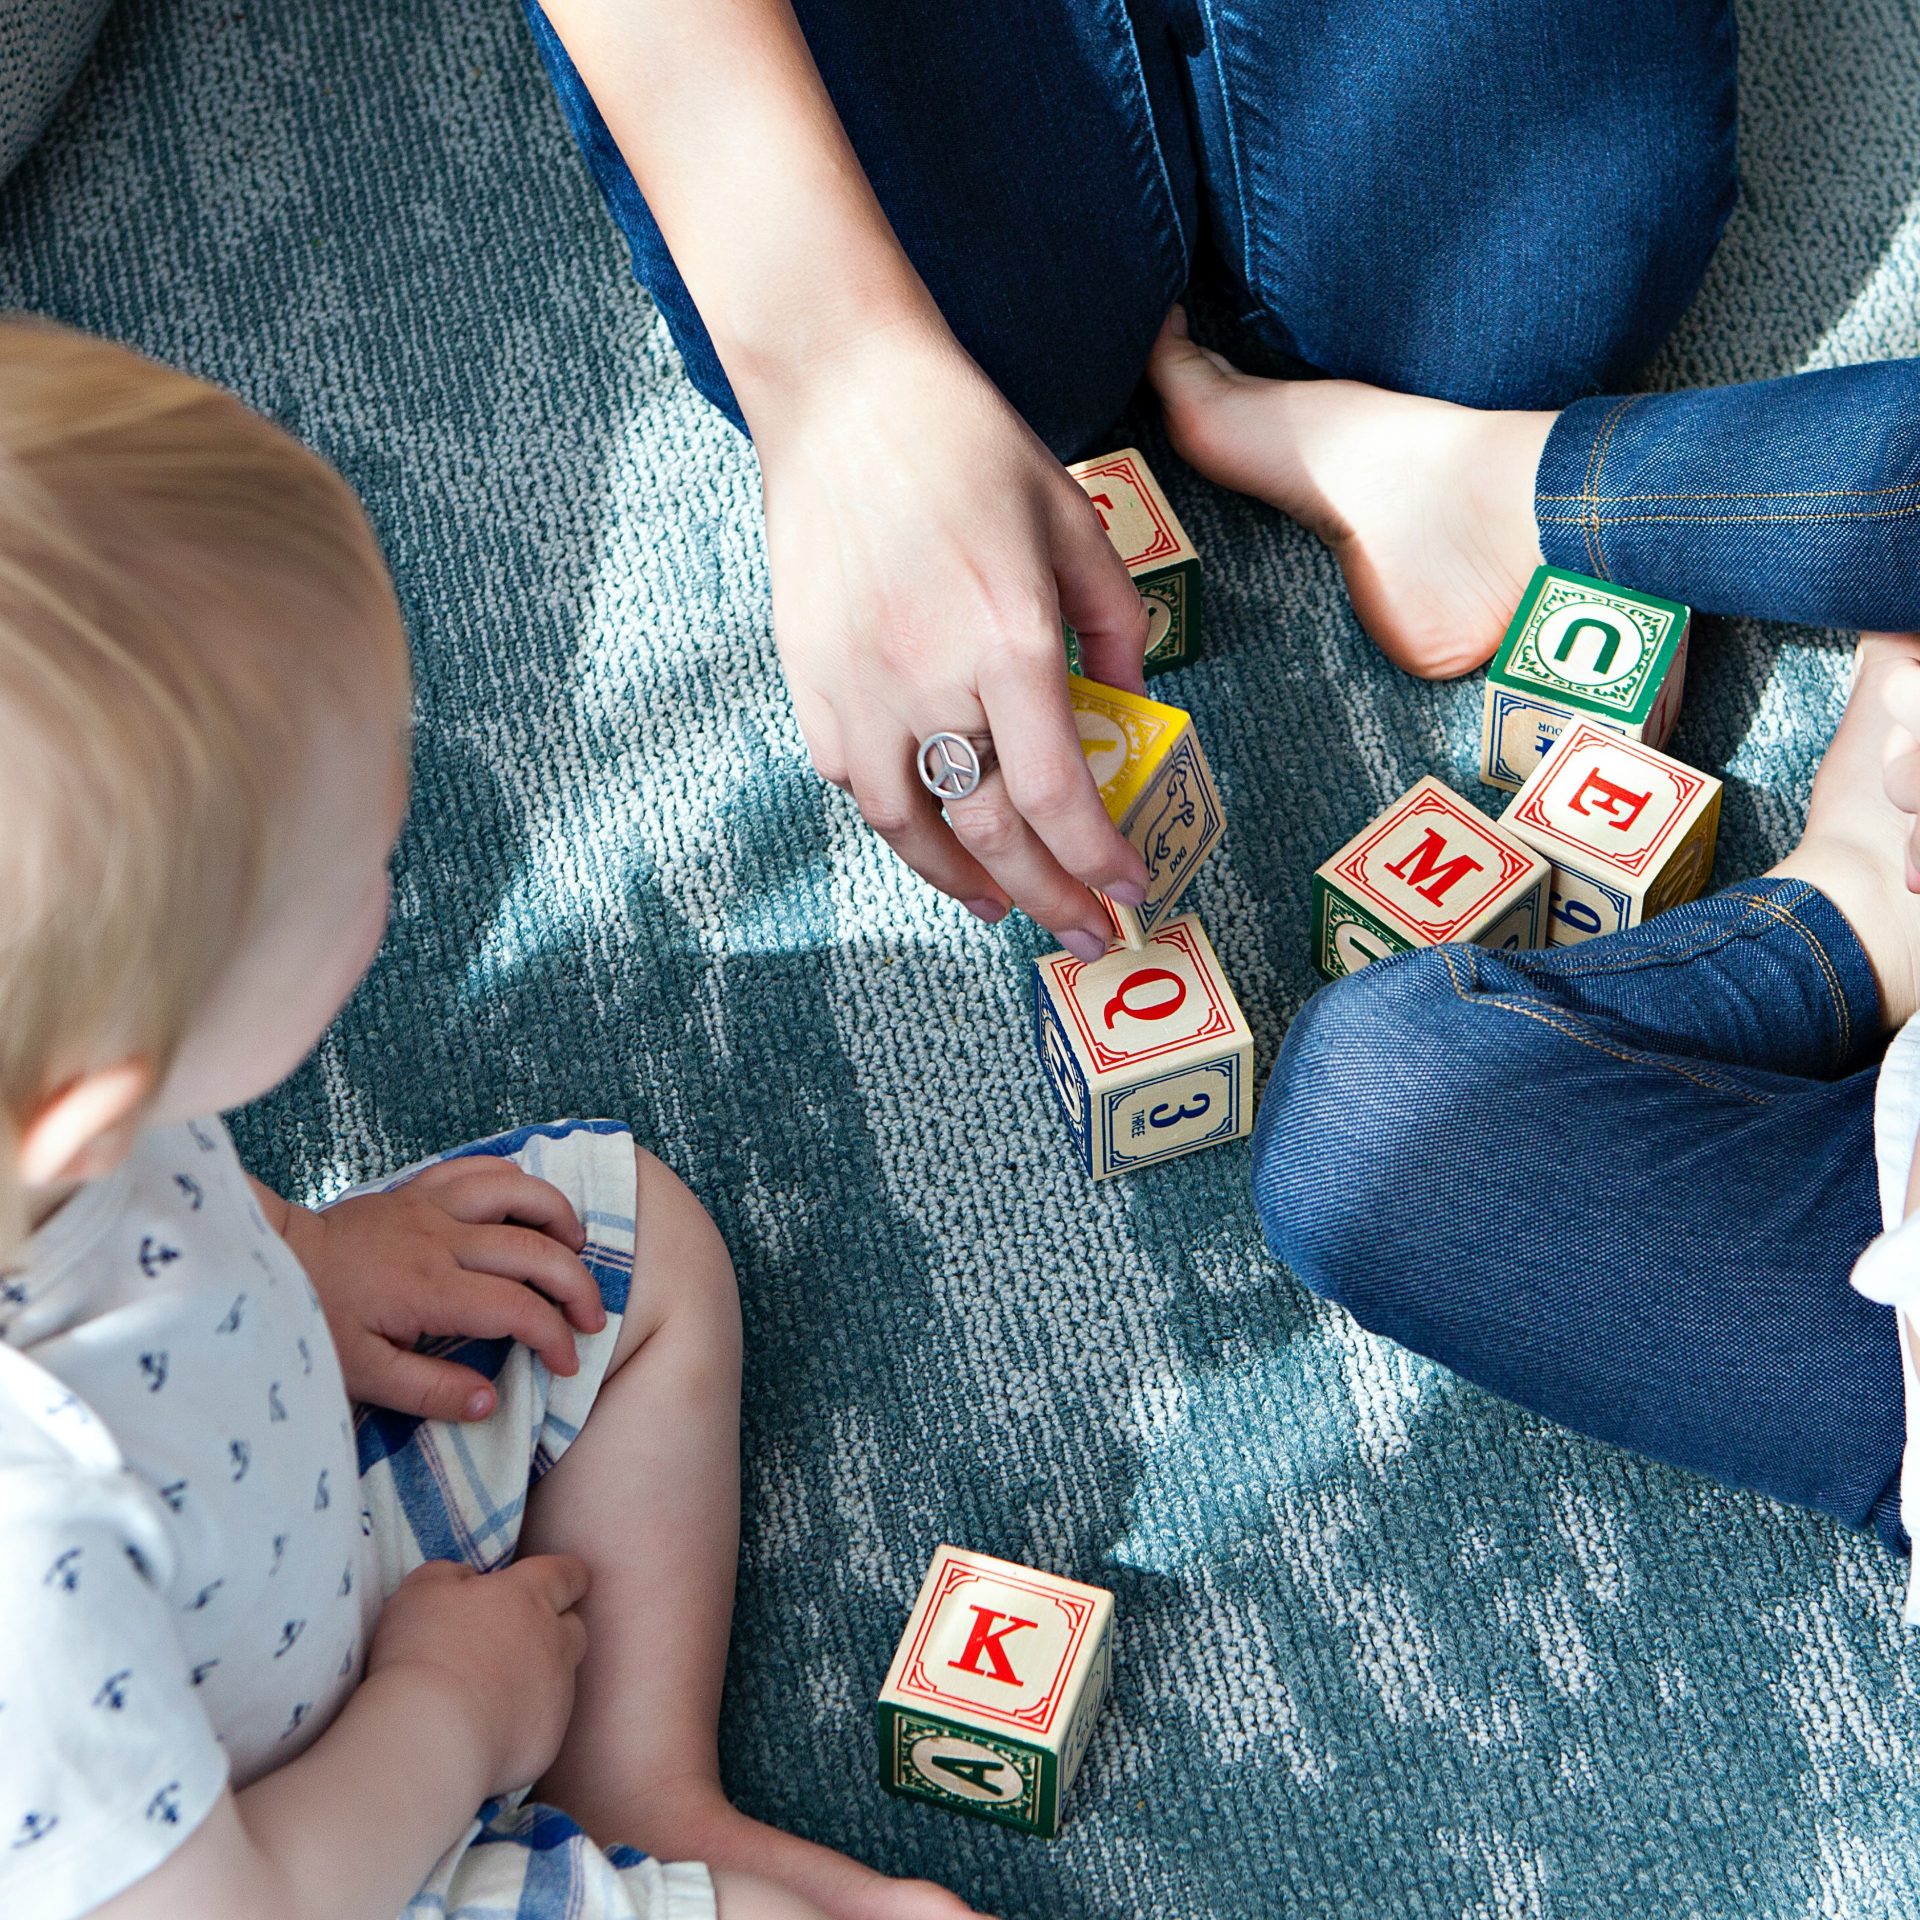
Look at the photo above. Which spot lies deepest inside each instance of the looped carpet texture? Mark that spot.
(1385, 1647)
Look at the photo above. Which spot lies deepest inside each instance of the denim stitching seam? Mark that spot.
(1594, 549)
(1572, 1032)
(1842, 1014)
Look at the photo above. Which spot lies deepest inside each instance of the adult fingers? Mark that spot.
(820, 728)
(907, 817)
(483, 1187)
(484, 1306)
(1097, 596)
(420, 1383)
(1046, 773)
(992, 828)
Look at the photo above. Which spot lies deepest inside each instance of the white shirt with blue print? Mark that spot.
(186, 1586)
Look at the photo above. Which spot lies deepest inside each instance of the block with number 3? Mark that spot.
(1629, 831)
(990, 1702)
(1148, 536)
(1147, 1050)
(1155, 783)
(1430, 869)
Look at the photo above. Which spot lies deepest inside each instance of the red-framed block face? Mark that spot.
(1138, 517)
(999, 1646)
(1432, 864)
(1598, 797)
(1131, 1008)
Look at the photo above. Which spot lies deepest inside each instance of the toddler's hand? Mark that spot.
(1901, 766)
(508, 1643)
(472, 1248)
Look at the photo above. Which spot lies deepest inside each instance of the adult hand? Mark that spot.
(474, 1247)
(506, 1645)
(924, 546)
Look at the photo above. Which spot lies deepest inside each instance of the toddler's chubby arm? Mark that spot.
(468, 1692)
(470, 1248)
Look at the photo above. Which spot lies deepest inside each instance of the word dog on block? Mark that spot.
(1147, 1049)
(1146, 760)
(1148, 536)
(1629, 831)
(1580, 648)
(991, 1699)
(1428, 870)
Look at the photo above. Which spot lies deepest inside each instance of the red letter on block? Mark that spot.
(1425, 862)
(1613, 800)
(985, 1640)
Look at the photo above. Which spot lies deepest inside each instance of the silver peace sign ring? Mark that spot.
(952, 765)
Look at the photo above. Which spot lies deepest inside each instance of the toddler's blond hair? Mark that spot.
(180, 584)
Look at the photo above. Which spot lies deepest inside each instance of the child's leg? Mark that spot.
(1624, 1184)
(1795, 499)
(649, 1497)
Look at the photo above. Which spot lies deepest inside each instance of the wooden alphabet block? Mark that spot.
(990, 1702)
(1148, 1051)
(1629, 830)
(1146, 760)
(1580, 648)
(1430, 869)
(1147, 534)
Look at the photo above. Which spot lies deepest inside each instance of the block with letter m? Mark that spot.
(1428, 870)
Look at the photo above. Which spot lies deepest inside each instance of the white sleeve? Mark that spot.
(107, 1760)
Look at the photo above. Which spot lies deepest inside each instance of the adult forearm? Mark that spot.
(721, 114)
(1794, 499)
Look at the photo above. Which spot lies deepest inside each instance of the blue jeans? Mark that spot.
(1622, 1184)
(1794, 499)
(1503, 202)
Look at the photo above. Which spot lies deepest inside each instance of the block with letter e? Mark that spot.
(1148, 536)
(1430, 869)
(1629, 830)
(1580, 648)
(1146, 1049)
(990, 1702)
(1158, 790)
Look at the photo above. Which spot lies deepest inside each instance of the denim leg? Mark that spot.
(1038, 169)
(1794, 499)
(1502, 202)
(1621, 1184)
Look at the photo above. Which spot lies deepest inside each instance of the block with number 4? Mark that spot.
(990, 1702)
(1629, 830)
(1580, 648)
(1428, 870)
(1147, 1049)
(1146, 760)
(1148, 536)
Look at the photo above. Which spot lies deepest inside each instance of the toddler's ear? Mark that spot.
(87, 1127)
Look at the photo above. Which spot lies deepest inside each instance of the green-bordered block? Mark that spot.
(1173, 620)
(969, 1770)
(1346, 936)
(1578, 647)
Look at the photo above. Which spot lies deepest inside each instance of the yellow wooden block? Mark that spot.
(1146, 760)
(990, 1703)
(1629, 831)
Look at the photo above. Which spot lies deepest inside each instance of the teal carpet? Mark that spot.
(1385, 1647)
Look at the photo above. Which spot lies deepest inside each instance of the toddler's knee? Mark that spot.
(1367, 1157)
(681, 1262)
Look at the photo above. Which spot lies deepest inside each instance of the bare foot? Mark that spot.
(693, 1820)
(1854, 847)
(1428, 507)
